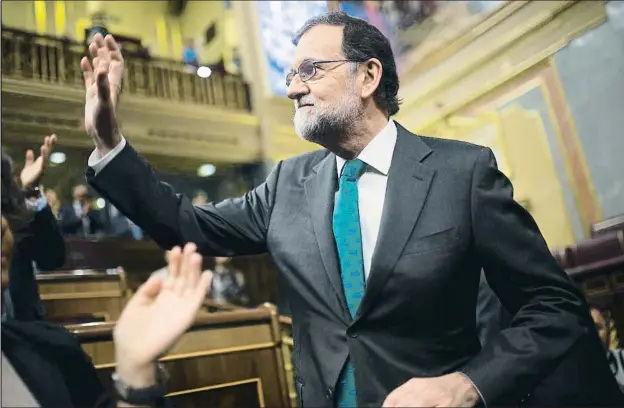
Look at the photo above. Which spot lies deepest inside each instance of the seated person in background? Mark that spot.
(189, 55)
(200, 198)
(228, 283)
(47, 358)
(38, 240)
(78, 218)
(53, 201)
(582, 377)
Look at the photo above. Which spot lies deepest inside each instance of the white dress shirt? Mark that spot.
(372, 187)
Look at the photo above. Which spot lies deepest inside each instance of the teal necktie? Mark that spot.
(349, 244)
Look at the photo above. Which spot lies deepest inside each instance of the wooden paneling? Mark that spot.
(83, 296)
(140, 258)
(227, 359)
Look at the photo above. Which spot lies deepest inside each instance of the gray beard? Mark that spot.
(329, 127)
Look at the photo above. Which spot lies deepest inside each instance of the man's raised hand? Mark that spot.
(103, 77)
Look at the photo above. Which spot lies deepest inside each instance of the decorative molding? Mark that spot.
(453, 92)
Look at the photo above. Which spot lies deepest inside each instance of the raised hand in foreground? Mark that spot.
(103, 77)
(34, 168)
(158, 314)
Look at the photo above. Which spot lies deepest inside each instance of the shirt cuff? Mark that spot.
(97, 162)
(476, 388)
(38, 205)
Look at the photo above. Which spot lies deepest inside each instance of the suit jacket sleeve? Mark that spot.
(232, 227)
(492, 317)
(550, 313)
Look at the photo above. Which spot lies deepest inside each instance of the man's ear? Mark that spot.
(372, 77)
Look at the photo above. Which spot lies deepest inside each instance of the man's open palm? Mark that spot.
(103, 78)
(162, 308)
(34, 168)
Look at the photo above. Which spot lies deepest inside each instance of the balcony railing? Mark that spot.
(53, 60)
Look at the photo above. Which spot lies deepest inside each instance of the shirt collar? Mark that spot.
(378, 153)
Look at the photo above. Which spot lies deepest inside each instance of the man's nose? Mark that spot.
(297, 88)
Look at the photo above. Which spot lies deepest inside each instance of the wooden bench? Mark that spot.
(83, 296)
(288, 347)
(227, 359)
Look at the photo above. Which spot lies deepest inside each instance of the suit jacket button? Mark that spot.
(329, 394)
(353, 335)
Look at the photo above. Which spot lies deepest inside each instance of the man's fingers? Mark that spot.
(193, 273)
(149, 289)
(93, 49)
(174, 263)
(44, 156)
(205, 284)
(110, 43)
(87, 71)
(98, 40)
(52, 141)
(189, 261)
(30, 157)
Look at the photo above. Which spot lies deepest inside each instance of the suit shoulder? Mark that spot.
(452, 145)
(454, 154)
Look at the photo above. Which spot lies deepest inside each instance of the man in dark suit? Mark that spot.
(78, 218)
(379, 239)
(583, 376)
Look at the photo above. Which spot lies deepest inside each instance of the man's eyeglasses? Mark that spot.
(307, 69)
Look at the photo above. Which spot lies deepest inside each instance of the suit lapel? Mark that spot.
(407, 189)
(320, 191)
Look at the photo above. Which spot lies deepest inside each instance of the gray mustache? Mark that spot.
(302, 102)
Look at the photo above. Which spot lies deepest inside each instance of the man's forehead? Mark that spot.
(321, 42)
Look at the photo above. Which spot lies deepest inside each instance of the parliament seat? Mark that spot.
(608, 225)
(597, 266)
(226, 359)
(83, 296)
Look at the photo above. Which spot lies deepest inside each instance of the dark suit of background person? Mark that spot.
(40, 241)
(448, 213)
(37, 239)
(582, 377)
(72, 224)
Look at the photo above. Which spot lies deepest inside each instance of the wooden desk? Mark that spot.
(78, 296)
(227, 359)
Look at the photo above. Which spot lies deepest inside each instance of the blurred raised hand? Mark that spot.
(158, 314)
(34, 168)
(103, 77)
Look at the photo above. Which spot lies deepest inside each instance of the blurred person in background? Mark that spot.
(200, 198)
(51, 367)
(190, 57)
(228, 283)
(53, 201)
(38, 239)
(79, 218)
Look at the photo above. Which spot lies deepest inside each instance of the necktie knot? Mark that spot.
(353, 169)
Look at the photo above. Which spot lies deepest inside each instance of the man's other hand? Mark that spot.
(452, 390)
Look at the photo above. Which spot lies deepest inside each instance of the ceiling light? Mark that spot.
(204, 72)
(206, 170)
(58, 158)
